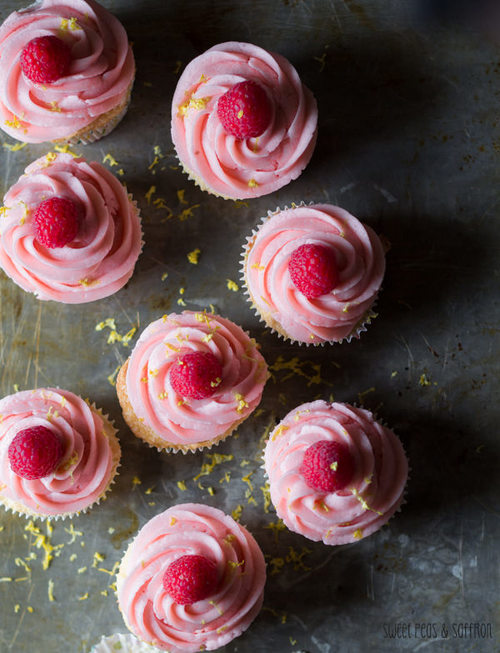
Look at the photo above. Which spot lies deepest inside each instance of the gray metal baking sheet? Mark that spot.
(409, 142)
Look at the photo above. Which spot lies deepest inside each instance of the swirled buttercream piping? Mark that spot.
(374, 493)
(85, 470)
(191, 529)
(217, 160)
(99, 261)
(359, 257)
(154, 400)
(99, 79)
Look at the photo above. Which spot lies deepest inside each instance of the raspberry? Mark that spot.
(35, 452)
(327, 466)
(313, 270)
(45, 59)
(190, 578)
(244, 110)
(56, 222)
(196, 375)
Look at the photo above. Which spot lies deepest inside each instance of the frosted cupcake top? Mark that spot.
(374, 490)
(86, 467)
(360, 261)
(99, 261)
(189, 421)
(98, 80)
(191, 529)
(255, 166)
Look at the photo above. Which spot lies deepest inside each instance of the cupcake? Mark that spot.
(191, 379)
(69, 231)
(122, 644)
(243, 124)
(66, 72)
(58, 454)
(192, 580)
(335, 474)
(313, 273)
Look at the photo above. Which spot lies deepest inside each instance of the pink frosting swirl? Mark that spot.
(88, 461)
(359, 256)
(180, 421)
(191, 529)
(374, 493)
(99, 79)
(217, 160)
(99, 261)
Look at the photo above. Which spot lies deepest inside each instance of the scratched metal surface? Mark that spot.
(408, 140)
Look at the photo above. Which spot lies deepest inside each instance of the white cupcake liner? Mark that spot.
(208, 189)
(133, 202)
(205, 447)
(195, 449)
(90, 135)
(358, 328)
(139, 217)
(34, 5)
(122, 643)
(198, 182)
(62, 516)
